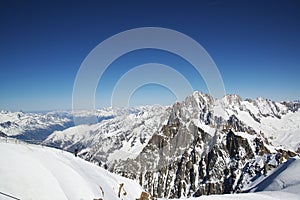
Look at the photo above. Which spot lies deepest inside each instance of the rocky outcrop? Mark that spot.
(2, 134)
(292, 106)
(145, 196)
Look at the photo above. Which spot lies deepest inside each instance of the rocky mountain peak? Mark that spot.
(198, 146)
(199, 153)
(232, 99)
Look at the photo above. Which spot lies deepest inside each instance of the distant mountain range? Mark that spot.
(32, 127)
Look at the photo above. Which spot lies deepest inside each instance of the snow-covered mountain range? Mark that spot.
(32, 126)
(35, 127)
(276, 122)
(121, 136)
(200, 146)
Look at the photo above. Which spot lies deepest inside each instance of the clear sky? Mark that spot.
(255, 44)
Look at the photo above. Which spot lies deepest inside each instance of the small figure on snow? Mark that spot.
(75, 152)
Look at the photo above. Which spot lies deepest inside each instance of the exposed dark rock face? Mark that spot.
(184, 160)
(228, 165)
(293, 106)
(2, 134)
(8, 124)
(235, 124)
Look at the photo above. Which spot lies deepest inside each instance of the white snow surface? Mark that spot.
(285, 178)
(36, 172)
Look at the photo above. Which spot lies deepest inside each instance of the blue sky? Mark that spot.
(255, 44)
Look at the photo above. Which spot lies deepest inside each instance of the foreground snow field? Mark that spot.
(36, 172)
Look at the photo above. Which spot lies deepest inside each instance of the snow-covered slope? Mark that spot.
(285, 178)
(36, 172)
